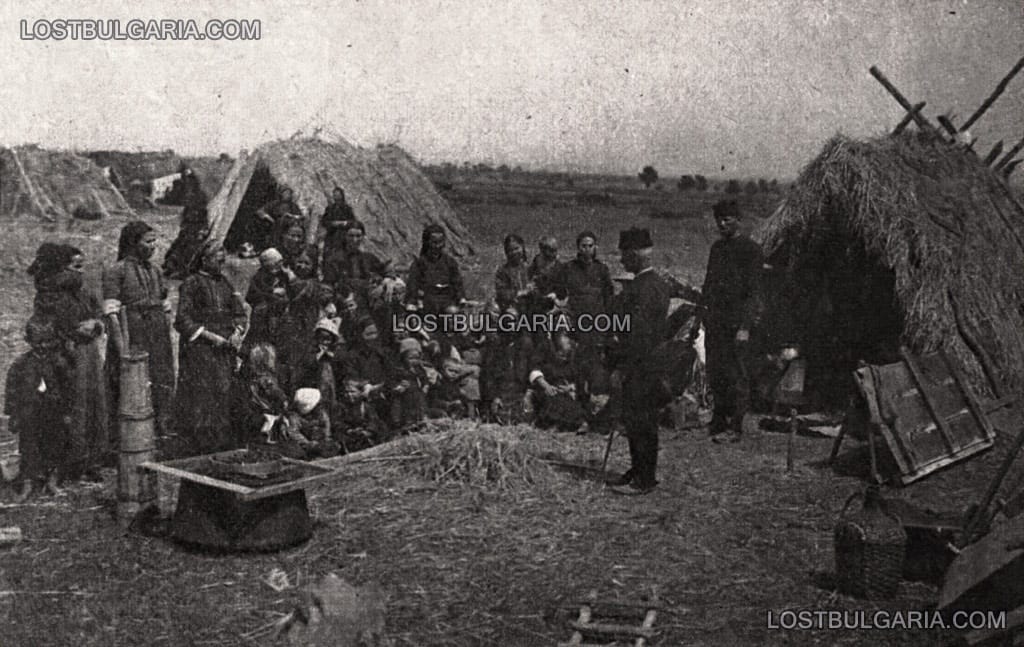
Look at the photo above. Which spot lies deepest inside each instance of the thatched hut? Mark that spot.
(55, 185)
(903, 240)
(136, 171)
(385, 188)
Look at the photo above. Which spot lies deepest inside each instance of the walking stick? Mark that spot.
(607, 452)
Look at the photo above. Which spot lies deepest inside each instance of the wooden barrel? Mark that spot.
(136, 401)
(136, 488)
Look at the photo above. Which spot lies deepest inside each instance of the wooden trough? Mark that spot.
(227, 502)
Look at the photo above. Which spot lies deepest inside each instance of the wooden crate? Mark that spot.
(925, 412)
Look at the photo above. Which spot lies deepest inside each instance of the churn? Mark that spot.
(136, 488)
(870, 544)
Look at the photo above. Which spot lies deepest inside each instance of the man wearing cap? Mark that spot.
(645, 300)
(731, 307)
(587, 284)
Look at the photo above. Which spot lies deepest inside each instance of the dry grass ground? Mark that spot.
(728, 537)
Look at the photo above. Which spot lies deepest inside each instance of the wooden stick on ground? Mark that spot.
(992, 97)
(994, 153)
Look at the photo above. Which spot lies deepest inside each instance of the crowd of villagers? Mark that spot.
(306, 358)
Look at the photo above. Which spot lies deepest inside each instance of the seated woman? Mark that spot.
(554, 385)
(258, 402)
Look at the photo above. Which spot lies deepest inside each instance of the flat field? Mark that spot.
(729, 537)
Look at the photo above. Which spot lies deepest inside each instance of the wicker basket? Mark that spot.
(870, 545)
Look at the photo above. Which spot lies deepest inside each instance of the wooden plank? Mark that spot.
(282, 488)
(198, 478)
(865, 382)
(613, 630)
(972, 401)
(994, 405)
(928, 399)
(946, 461)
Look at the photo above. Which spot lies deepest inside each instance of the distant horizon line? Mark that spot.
(527, 167)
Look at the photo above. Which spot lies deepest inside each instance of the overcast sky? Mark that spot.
(753, 86)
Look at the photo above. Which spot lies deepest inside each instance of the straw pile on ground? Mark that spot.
(54, 185)
(503, 459)
(932, 217)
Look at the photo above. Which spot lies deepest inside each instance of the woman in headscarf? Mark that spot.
(134, 284)
(308, 302)
(293, 245)
(337, 218)
(511, 281)
(210, 322)
(435, 281)
(75, 314)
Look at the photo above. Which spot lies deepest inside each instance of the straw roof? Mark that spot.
(385, 188)
(148, 165)
(947, 228)
(53, 184)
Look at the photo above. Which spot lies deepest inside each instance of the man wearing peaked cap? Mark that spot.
(645, 300)
(731, 306)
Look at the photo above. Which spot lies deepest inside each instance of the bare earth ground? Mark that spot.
(728, 537)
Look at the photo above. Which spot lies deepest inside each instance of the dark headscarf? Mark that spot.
(196, 263)
(428, 231)
(50, 259)
(131, 234)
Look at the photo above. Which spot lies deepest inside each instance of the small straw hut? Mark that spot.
(55, 186)
(902, 240)
(386, 190)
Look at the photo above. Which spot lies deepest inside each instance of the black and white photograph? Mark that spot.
(439, 323)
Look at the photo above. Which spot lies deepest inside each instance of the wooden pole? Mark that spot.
(947, 124)
(992, 97)
(981, 512)
(994, 153)
(907, 118)
(1011, 167)
(1009, 156)
(921, 122)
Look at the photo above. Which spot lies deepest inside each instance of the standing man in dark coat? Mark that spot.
(731, 306)
(645, 300)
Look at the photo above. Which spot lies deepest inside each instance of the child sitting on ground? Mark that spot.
(306, 433)
(354, 422)
(412, 378)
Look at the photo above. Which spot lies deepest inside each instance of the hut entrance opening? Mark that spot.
(262, 188)
(844, 309)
